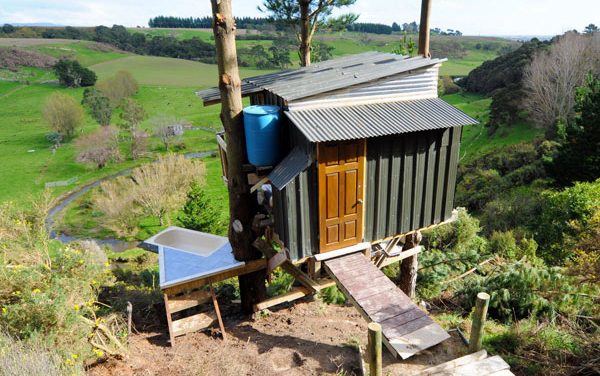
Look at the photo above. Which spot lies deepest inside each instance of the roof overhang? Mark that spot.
(376, 119)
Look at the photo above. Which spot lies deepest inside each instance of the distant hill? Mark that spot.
(33, 24)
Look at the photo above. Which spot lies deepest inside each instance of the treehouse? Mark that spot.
(363, 150)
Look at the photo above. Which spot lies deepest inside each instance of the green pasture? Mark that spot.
(476, 140)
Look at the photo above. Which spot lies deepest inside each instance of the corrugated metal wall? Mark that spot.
(410, 181)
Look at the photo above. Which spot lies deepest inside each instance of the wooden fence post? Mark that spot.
(481, 308)
(374, 350)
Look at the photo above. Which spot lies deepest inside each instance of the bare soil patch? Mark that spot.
(307, 338)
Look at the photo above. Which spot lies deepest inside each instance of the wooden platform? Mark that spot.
(406, 328)
(476, 364)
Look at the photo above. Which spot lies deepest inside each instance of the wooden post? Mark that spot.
(374, 350)
(241, 205)
(410, 265)
(481, 307)
(424, 28)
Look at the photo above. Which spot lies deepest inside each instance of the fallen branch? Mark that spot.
(468, 271)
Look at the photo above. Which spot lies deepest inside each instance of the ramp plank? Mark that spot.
(448, 366)
(406, 329)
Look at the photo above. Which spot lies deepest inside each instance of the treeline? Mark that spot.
(372, 28)
(203, 22)
(139, 43)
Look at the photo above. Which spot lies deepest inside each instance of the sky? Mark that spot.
(472, 17)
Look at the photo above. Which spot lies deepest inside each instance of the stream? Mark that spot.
(117, 245)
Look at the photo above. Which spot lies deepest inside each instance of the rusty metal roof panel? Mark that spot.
(378, 119)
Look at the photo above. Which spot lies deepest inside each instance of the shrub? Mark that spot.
(154, 189)
(132, 114)
(47, 289)
(19, 358)
(199, 214)
(63, 114)
(71, 74)
(566, 214)
(524, 289)
(139, 143)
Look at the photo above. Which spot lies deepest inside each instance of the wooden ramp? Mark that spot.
(476, 364)
(406, 328)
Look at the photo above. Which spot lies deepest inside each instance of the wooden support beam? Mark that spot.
(405, 254)
(294, 294)
(249, 267)
(217, 310)
(360, 247)
(409, 266)
(266, 248)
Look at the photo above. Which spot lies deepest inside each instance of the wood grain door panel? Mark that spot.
(341, 191)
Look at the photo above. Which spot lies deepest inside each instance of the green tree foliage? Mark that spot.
(132, 114)
(288, 13)
(63, 114)
(199, 213)
(99, 106)
(8, 28)
(566, 214)
(407, 46)
(372, 28)
(591, 28)
(578, 159)
(321, 52)
(71, 74)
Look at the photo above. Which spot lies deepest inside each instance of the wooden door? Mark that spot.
(341, 192)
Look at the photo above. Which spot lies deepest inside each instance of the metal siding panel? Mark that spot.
(430, 179)
(452, 168)
(305, 238)
(419, 175)
(407, 182)
(371, 189)
(394, 186)
(441, 172)
(292, 218)
(313, 194)
(383, 172)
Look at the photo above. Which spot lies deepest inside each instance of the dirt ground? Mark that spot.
(306, 338)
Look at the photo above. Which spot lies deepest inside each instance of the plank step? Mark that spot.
(193, 323)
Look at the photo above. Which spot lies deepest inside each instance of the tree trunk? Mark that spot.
(409, 266)
(241, 208)
(305, 37)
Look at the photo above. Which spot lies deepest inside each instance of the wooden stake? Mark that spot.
(241, 205)
(217, 310)
(374, 350)
(481, 307)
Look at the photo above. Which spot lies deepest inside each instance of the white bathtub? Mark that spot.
(186, 255)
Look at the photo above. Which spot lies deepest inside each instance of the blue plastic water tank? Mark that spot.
(261, 126)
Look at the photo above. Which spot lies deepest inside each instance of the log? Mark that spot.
(410, 265)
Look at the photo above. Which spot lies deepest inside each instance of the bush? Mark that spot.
(199, 214)
(154, 189)
(526, 288)
(566, 214)
(47, 289)
(63, 114)
(18, 358)
(71, 74)
(99, 105)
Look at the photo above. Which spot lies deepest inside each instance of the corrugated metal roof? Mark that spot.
(329, 75)
(378, 119)
(290, 167)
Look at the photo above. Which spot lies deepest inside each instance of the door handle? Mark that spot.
(360, 201)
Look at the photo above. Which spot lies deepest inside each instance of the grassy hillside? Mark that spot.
(476, 139)
(165, 71)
